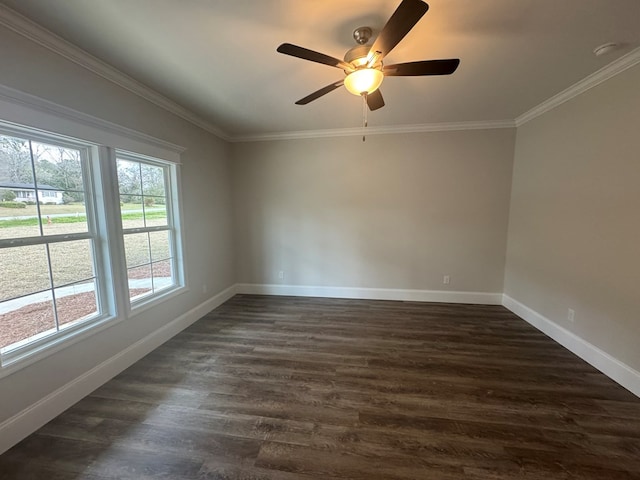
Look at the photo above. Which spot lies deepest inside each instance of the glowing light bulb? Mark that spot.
(364, 80)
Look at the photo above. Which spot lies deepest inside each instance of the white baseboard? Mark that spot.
(371, 293)
(14, 429)
(613, 368)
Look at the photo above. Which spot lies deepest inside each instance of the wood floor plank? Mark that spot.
(288, 388)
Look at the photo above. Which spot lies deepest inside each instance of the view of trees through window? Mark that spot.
(48, 269)
(55, 166)
(147, 238)
(47, 279)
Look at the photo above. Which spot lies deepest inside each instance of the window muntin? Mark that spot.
(147, 225)
(47, 249)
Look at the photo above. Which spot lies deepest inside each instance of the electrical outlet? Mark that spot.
(571, 315)
(281, 275)
(205, 289)
(446, 280)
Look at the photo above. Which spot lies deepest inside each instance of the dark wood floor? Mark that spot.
(295, 388)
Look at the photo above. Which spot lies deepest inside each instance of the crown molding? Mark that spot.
(359, 131)
(605, 73)
(34, 32)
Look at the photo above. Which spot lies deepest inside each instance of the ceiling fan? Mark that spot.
(363, 63)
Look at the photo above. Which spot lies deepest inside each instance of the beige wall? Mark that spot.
(574, 234)
(206, 201)
(398, 211)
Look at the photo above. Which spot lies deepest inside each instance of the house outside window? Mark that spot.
(80, 256)
(26, 192)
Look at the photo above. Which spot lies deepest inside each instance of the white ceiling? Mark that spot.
(218, 58)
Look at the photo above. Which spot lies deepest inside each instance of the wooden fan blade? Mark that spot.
(401, 22)
(319, 93)
(306, 54)
(375, 100)
(424, 67)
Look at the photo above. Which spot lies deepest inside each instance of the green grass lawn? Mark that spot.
(68, 209)
(53, 209)
(46, 209)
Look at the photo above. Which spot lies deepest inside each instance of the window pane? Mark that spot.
(71, 261)
(15, 160)
(18, 213)
(153, 189)
(139, 281)
(76, 302)
(65, 218)
(24, 271)
(130, 188)
(136, 247)
(57, 169)
(132, 214)
(152, 180)
(24, 318)
(18, 222)
(160, 249)
(60, 188)
(155, 211)
(162, 275)
(129, 181)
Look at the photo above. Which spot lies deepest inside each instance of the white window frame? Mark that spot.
(174, 210)
(96, 232)
(55, 124)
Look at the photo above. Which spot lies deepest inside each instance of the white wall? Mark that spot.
(206, 200)
(574, 228)
(398, 211)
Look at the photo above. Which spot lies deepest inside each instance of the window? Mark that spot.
(23, 194)
(42, 292)
(147, 225)
(68, 259)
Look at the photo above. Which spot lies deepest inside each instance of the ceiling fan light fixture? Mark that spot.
(363, 64)
(364, 80)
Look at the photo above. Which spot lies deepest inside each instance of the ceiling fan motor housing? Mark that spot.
(357, 56)
(362, 35)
